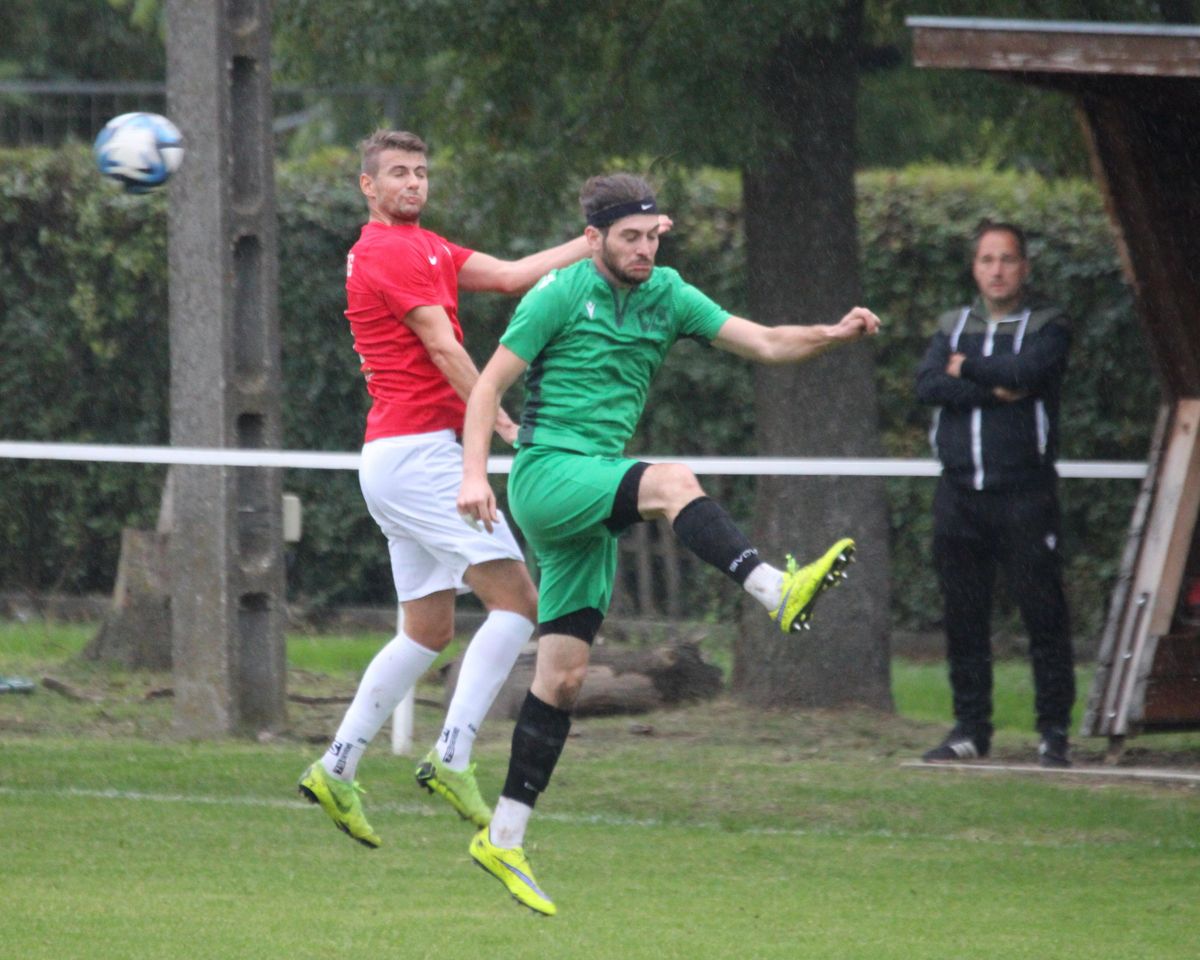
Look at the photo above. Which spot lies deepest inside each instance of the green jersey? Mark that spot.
(593, 349)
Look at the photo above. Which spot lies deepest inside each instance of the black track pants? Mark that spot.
(974, 532)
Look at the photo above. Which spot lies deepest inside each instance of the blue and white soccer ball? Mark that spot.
(139, 150)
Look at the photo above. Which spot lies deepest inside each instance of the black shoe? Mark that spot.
(1054, 751)
(956, 748)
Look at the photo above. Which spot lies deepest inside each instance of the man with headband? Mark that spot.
(589, 339)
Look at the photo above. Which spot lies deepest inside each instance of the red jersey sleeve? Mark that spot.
(403, 276)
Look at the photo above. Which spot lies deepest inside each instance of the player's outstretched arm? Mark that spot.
(476, 499)
(483, 272)
(793, 342)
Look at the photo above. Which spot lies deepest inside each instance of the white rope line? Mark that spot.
(725, 466)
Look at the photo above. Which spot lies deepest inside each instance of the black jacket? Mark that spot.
(985, 443)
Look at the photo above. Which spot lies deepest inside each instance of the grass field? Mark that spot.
(707, 832)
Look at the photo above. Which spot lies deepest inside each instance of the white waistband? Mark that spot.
(411, 439)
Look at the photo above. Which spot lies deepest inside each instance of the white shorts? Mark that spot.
(411, 486)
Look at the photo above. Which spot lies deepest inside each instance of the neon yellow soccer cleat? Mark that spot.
(803, 585)
(457, 787)
(511, 868)
(341, 801)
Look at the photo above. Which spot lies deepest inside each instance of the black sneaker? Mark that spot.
(956, 748)
(1054, 750)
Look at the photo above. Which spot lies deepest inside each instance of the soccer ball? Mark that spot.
(139, 150)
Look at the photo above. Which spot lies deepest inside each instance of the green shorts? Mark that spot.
(560, 501)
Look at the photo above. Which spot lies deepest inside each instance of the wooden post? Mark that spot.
(1151, 602)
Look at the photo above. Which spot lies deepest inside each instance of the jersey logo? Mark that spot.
(591, 310)
(546, 280)
(652, 321)
(433, 261)
(349, 265)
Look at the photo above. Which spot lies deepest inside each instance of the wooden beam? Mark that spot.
(1141, 160)
(1155, 590)
(1048, 47)
(1096, 721)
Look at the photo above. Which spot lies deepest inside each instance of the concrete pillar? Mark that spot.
(226, 541)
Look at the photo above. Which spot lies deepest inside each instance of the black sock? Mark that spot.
(705, 528)
(537, 743)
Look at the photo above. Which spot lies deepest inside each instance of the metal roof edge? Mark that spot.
(1055, 26)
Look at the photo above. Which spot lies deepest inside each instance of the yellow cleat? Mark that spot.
(803, 585)
(510, 866)
(457, 787)
(341, 801)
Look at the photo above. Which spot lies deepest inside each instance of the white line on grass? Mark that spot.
(605, 820)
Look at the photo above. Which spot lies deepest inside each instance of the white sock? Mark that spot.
(389, 676)
(765, 584)
(486, 665)
(509, 820)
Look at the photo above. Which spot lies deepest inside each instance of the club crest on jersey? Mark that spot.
(652, 321)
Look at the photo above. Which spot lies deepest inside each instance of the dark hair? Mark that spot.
(986, 226)
(612, 190)
(381, 140)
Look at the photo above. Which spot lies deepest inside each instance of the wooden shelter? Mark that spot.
(1137, 89)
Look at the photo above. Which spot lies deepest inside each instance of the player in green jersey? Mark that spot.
(589, 339)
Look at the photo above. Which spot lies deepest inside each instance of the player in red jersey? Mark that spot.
(402, 284)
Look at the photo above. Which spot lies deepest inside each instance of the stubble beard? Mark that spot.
(618, 274)
(405, 213)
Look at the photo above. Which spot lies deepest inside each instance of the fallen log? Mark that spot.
(618, 681)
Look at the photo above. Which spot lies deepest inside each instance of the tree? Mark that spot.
(567, 90)
(76, 40)
(799, 207)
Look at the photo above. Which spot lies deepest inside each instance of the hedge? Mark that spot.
(83, 310)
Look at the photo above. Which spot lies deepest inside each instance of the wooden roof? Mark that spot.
(1138, 91)
(1031, 46)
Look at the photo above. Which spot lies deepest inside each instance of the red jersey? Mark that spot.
(390, 271)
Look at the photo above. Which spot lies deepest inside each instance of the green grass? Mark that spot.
(713, 831)
(39, 641)
(922, 691)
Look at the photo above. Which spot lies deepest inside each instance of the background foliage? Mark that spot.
(83, 312)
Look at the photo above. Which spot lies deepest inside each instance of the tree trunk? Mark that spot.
(136, 631)
(802, 252)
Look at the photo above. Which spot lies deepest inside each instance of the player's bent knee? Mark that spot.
(668, 487)
(429, 636)
(562, 663)
(560, 688)
(566, 694)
